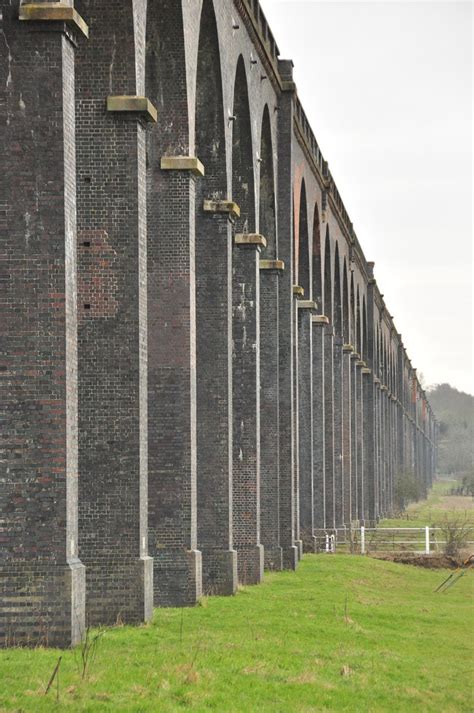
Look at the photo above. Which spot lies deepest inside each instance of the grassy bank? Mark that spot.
(341, 634)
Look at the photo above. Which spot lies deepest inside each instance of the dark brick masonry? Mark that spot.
(176, 413)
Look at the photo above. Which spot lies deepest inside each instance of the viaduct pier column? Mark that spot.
(112, 115)
(329, 440)
(370, 510)
(354, 439)
(172, 466)
(214, 395)
(347, 351)
(175, 174)
(359, 364)
(305, 308)
(246, 407)
(42, 580)
(270, 271)
(339, 408)
(319, 323)
(286, 323)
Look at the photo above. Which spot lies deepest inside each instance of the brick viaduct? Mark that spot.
(199, 373)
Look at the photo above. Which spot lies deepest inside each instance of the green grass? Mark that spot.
(343, 633)
(436, 508)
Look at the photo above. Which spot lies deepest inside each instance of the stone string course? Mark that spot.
(199, 374)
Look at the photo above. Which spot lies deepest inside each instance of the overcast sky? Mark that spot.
(387, 87)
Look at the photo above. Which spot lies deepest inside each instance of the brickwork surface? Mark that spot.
(172, 421)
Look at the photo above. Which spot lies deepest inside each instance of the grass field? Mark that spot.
(438, 506)
(343, 633)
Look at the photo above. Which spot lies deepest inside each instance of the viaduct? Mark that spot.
(200, 376)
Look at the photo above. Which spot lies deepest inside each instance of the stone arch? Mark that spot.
(267, 208)
(327, 277)
(317, 278)
(243, 183)
(337, 301)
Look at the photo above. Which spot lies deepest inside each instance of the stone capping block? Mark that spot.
(320, 319)
(307, 304)
(272, 265)
(223, 206)
(355, 355)
(129, 103)
(182, 163)
(347, 348)
(361, 363)
(383, 388)
(376, 381)
(53, 12)
(298, 291)
(366, 371)
(288, 86)
(250, 239)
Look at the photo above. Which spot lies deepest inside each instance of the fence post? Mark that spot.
(427, 540)
(362, 540)
(327, 542)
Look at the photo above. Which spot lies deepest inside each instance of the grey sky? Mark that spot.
(387, 87)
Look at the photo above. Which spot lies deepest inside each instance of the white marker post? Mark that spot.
(362, 540)
(427, 540)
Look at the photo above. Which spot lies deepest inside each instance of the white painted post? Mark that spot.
(362, 540)
(427, 540)
(333, 544)
(327, 542)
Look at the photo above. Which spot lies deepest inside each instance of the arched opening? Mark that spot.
(327, 278)
(302, 241)
(243, 184)
(213, 346)
(267, 211)
(345, 305)
(358, 339)
(365, 351)
(337, 312)
(317, 277)
(352, 316)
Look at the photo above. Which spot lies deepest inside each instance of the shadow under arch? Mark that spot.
(243, 182)
(302, 244)
(267, 206)
(316, 259)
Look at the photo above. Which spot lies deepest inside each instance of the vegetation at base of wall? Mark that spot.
(455, 413)
(342, 633)
(406, 489)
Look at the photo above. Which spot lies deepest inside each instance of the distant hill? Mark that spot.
(455, 412)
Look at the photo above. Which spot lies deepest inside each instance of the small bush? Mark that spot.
(456, 533)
